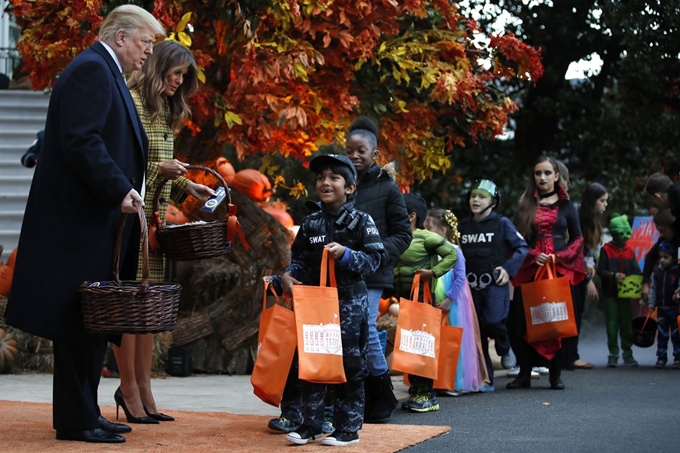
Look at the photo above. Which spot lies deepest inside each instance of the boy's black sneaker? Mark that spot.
(660, 364)
(304, 434)
(338, 438)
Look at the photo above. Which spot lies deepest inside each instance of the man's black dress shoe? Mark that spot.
(96, 435)
(116, 428)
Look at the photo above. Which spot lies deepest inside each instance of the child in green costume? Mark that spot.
(617, 261)
(422, 257)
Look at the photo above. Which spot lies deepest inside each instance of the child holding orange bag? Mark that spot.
(548, 221)
(422, 257)
(352, 239)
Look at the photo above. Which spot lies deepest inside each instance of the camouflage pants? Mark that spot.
(349, 397)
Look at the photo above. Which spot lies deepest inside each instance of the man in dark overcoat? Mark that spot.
(91, 169)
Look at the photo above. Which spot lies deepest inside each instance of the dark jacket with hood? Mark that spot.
(353, 229)
(378, 195)
(614, 259)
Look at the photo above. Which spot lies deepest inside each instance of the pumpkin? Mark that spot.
(225, 169)
(252, 184)
(6, 273)
(383, 306)
(12, 258)
(393, 310)
(9, 351)
(174, 215)
(279, 214)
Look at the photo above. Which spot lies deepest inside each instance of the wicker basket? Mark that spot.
(193, 241)
(130, 307)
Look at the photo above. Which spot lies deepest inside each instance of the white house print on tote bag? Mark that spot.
(418, 342)
(549, 312)
(322, 338)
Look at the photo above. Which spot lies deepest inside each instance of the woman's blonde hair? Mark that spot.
(447, 220)
(150, 81)
(129, 18)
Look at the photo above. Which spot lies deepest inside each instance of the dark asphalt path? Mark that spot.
(602, 410)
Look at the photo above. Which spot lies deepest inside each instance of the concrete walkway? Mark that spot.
(204, 393)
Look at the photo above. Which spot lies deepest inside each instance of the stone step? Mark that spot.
(9, 239)
(16, 184)
(31, 124)
(14, 201)
(18, 138)
(11, 220)
(13, 167)
(22, 115)
(23, 98)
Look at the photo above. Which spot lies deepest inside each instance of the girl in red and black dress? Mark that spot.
(550, 224)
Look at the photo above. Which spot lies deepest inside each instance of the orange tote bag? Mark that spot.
(449, 352)
(319, 337)
(417, 340)
(276, 342)
(548, 307)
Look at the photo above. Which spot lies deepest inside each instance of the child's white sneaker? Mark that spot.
(515, 372)
(541, 370)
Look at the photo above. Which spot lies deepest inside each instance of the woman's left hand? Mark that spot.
(201, 192)
(172, 169)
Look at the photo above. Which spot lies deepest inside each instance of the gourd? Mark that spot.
(252, 184)
(9, 351)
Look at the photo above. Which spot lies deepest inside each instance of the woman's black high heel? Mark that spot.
(120, 402)
(159, 416)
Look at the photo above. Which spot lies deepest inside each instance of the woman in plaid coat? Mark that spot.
(160, 91)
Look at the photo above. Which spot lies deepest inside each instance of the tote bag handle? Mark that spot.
(415, 290)
(547, 268)
(268, 286)
(327, 268)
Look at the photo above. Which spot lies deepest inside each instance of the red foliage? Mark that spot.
(289, 76)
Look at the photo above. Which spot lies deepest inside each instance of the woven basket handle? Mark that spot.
(159, 189)
(145, 249)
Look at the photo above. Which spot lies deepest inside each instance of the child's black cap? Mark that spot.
(330, 159)
(668, 247)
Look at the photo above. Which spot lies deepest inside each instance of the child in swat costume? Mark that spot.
(494, 252)
(352, 239)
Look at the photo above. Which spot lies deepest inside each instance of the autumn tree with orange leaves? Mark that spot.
(287, 76)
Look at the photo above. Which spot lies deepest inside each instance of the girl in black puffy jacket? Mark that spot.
(378, 195)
